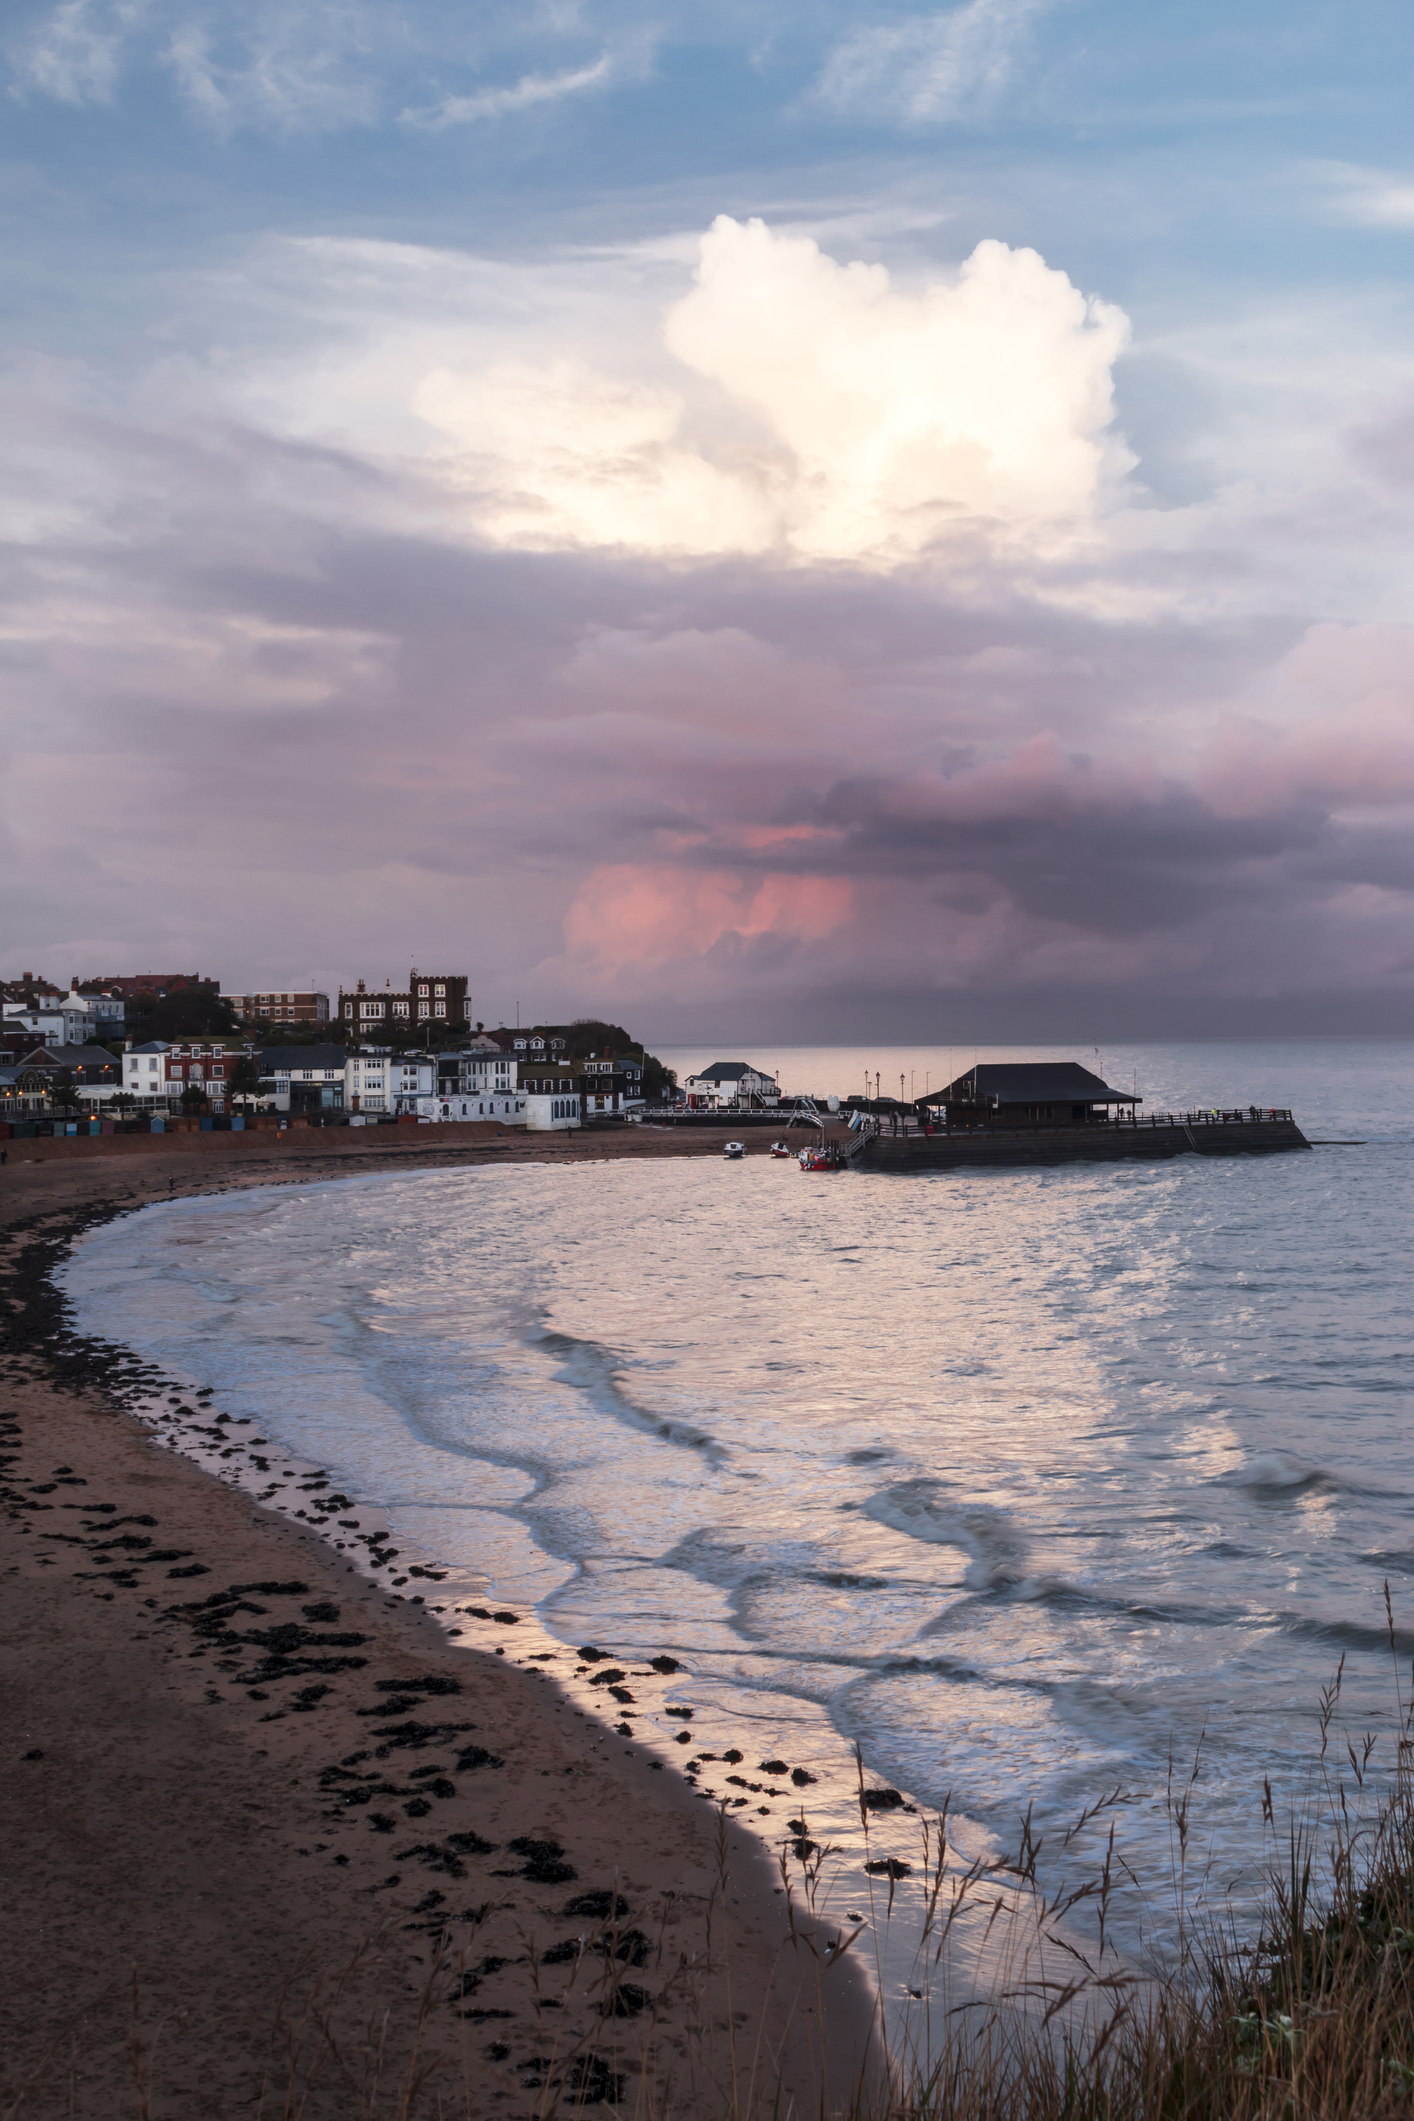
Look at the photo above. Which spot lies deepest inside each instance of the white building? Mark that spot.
(484, 1071)
(508, 1110)
(730, 1083)
(552, 1111)
(106, 1012)
(381, 1084)
(64, 1021)
(145, 1077)
(367, 1080)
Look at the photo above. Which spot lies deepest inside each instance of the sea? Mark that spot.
(1061, 1494)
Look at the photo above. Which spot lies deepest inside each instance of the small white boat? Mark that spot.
(780, 1148)
(734, 1149)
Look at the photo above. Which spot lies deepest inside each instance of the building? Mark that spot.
(730, 1083)
(92, 1071)
(436, 999)
(145, 1076)
(474, 1084)
(1027, 1094)
(24, 1091)
(480, 1072)
(300, 1008)
(96, 1074)
(108, 1013)
(156, 1073)
(306, 1080)
(367, 1076)
(381, 1084)
(30, 987)
(64, 1020)
(157, 984)
(529, 1045)
(610, 1089)
(507, 1110)
(551, 1094)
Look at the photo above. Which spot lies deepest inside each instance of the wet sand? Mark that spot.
(265, 1827)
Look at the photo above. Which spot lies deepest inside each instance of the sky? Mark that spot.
(760, 521)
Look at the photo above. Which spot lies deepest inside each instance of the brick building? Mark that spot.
(156, 1072)
(437, 999)
(272, 1008)
(157, 984)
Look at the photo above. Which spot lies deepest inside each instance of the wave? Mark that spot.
(924, 1509)
(1281, 1470)
(590, 1367)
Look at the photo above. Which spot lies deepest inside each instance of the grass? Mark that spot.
(1309, 2017)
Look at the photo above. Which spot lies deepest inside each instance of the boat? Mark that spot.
(733, 1150)
(820, 1159)
(780, 1148)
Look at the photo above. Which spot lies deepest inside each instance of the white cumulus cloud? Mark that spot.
(844, 418)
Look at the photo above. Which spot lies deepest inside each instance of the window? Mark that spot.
(218, 1070)
(439, 1008)
(439, 989)
(423, 988)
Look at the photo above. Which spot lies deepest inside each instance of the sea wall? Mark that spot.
(1085, 1145)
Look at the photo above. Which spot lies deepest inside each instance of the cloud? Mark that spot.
(1370, 198)
(374, 679)
(849, 419)
(312, 65)
(645, 919)
(928, 69)
(75, 54)
(524, 94)
(294, 67)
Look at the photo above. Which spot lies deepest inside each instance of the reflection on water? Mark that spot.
(1033, 1479)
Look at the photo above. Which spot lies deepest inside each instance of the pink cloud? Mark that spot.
(640, 916)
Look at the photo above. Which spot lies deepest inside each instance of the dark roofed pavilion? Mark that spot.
(1031, 1093)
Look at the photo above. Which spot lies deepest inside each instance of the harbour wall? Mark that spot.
(1082, 1145)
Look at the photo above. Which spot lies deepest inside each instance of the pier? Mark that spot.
(1251, 1131)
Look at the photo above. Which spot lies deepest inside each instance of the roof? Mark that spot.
(729, 1072)
(1031, 1083)
(152, 1045)
(283, 1060)
(71, 1057)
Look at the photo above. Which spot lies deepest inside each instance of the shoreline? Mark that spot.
(158, 1766)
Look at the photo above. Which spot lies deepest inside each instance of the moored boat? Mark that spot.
(733, 1150)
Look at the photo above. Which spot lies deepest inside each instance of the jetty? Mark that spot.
(1053, 1113)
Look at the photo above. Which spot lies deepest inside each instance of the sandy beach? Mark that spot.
(273, 1843)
